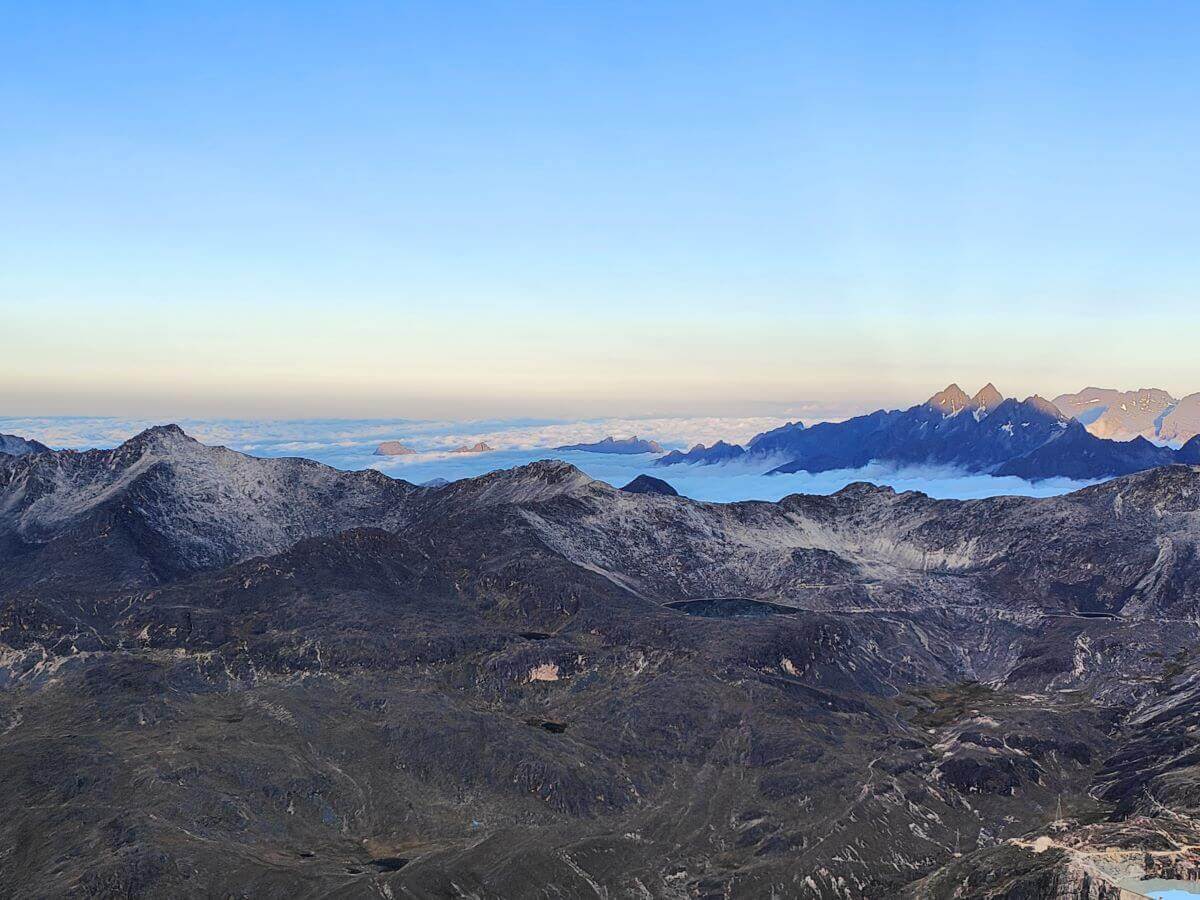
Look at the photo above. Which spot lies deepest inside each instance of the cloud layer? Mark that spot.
(274, 437)
(350, 444)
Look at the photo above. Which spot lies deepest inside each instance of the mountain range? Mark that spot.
(230, 676)
(986, 433)
(1149, 413)
(629, 445)
(477, 447)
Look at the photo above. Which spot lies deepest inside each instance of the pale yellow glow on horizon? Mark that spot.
(322, 363)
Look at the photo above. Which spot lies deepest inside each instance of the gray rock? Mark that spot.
(394, 448)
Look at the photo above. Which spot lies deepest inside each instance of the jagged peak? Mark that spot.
(950, 401)
(535, 481)
(987, 397)
(544, 469)
(865, 489)
(158, 434)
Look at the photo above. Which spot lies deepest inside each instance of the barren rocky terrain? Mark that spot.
(226, 676)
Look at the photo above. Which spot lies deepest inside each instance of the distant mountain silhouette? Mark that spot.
(480, 447)
(1189, 453)
(394, 448)
(648, 484)
(983, 433)
(1076, 453)
(718, 453)
(627, 445)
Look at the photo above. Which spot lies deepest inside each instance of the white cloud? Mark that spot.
(300, 435)
(350, 444)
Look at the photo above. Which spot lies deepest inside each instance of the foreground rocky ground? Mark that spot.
(223, 676)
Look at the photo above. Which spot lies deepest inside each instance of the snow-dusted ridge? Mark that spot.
(211, 505)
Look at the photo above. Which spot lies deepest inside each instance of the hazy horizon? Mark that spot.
(482, 407)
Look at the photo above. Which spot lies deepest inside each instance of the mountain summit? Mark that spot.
(951, 401)
(163, 503)
(987, 399)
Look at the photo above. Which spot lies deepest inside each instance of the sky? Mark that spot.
(442, 210)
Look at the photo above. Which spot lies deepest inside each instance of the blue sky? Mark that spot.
(409, 209)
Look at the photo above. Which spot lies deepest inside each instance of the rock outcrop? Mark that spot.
(394, 448)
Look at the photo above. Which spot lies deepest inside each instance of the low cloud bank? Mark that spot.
(345, 437)
(732, 481)
(350, 444)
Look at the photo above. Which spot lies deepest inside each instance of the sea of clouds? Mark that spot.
(350, 444)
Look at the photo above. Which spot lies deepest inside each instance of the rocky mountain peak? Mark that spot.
(987, 398)
(950, 401)
(394, 448)
(187, 505)
(860, 490)
(534, 482)
(1041, 404)
(158, 436)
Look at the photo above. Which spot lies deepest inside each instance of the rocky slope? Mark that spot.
(229, 676)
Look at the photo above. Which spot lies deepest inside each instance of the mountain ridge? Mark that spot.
(201, 501)
(1151, 413)
(531, 677)
(985, 433)
(611, 444)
